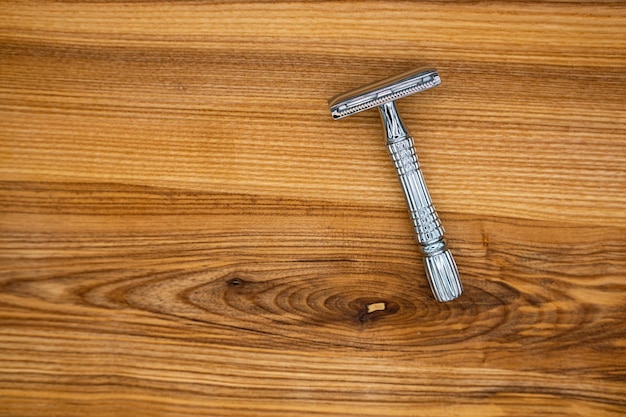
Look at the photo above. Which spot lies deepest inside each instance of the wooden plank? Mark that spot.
(184, 230)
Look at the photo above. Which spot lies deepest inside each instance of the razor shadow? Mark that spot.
(441, 269)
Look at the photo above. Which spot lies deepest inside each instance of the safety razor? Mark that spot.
(441, 270)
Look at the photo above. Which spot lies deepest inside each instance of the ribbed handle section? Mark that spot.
(441, 269)
(443, 276)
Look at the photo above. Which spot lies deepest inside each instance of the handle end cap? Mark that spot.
(443, 276)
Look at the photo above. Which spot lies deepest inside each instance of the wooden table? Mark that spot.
(185, 231)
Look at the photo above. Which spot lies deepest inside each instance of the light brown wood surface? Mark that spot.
(185, 231)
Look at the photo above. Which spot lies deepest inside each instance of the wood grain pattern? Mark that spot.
(185, 231)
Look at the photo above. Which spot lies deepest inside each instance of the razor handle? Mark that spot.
(441, 270)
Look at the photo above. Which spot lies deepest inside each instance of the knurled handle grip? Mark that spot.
(441, 270)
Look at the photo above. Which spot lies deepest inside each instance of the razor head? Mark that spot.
(381, 92)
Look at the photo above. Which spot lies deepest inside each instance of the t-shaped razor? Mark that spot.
(441, 270)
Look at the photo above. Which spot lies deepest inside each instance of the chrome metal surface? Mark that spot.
(381, 92)
(394, 128)
(441, 269)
